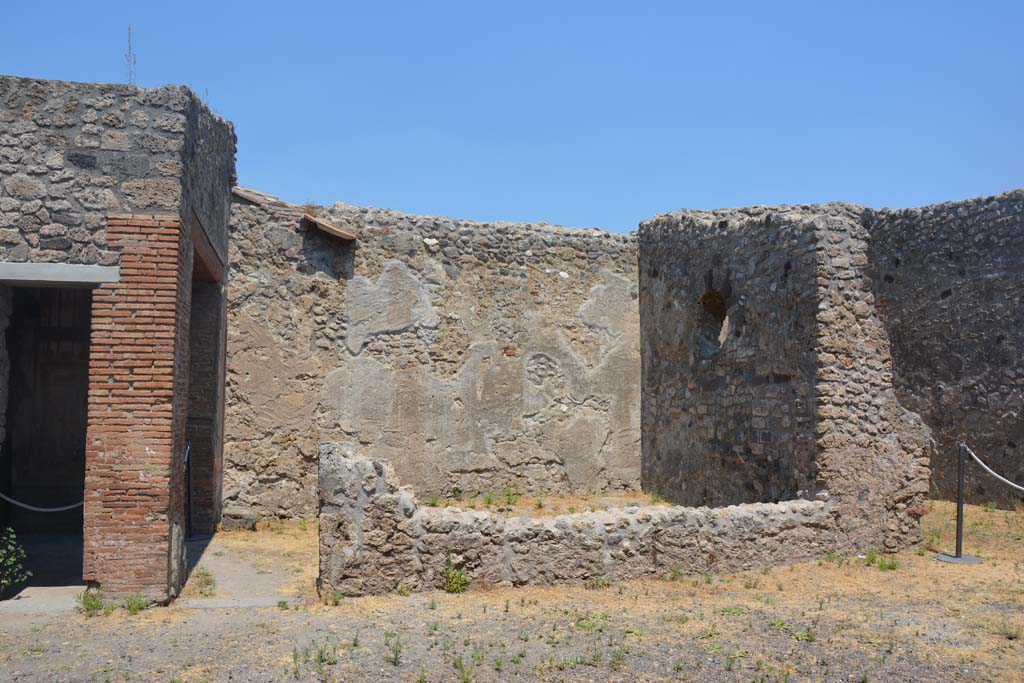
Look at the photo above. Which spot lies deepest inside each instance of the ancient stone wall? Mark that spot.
(872, 454)
(471, 356)
(71, 153)
(782, 387)
(376, 537)
(948, 281)
(208, 161)
(140, 179)
(727, 303)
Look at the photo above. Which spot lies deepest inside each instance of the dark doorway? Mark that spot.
(206, 368)
(43, 455)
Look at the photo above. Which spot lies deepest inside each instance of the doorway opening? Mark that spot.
(42, 461)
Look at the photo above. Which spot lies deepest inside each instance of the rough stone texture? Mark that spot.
(375, 537)
(797, 401)
(728, 393)
(118, 175)
(471, 356)
(949, 285)
(873, 454)
(70, 153)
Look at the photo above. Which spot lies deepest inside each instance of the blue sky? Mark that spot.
(577, 113)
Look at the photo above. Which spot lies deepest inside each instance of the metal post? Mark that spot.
(959, 557)
(960, 503)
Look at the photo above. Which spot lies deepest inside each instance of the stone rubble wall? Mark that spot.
(948, 281)
(375, 537)
(471, 356)
(73, 153)
(798, 402)
(731, 424)
(873, 454)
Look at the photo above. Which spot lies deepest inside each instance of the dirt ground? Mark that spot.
(837, 619)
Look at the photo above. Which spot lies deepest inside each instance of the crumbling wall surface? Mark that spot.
(471, 356)
(72, 153)
(799, 396)
(727, 304)
(873, 454)
(375, 537)
(948, 280)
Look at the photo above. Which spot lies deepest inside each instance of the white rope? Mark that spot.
(35, 509)
(989, 470)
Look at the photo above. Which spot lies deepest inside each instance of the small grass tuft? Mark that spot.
(511, 497)
(90, 602)
(134, 604)
(456, 580)
(888, 564)
(206, 584)
(393, 643)
(1007, 629)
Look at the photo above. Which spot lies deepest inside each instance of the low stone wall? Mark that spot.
(374, 537)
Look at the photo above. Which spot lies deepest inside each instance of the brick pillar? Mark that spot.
(138, 352)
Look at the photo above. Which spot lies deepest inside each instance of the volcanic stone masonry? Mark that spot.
(131, 186)
(803, 370)
(949, 286)
(375, 537)
(473, 357)
(784, 349)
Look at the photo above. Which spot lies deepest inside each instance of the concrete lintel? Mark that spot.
(57, 274)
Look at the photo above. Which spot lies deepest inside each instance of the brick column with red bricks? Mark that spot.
(138, 394)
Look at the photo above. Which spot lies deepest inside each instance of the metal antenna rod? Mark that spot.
(129, 58)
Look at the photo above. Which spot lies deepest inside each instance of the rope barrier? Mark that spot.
(35, 509)
(989, 469)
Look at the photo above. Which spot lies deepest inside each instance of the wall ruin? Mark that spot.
(782, 349)
(375, 537)
(471, 356)
(949, 282)
(796, 399)
(138, 181)
(728, 394)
